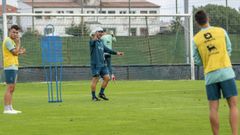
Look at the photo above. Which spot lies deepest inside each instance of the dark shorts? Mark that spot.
(227, 88)
(99, 71)
(11, 76)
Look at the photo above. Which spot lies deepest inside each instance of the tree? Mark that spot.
(176, 25)
(76, 30)
(218, 17)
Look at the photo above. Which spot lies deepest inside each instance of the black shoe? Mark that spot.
(102, 96)
(95, 99)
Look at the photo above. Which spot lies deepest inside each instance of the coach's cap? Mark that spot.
(98, 29)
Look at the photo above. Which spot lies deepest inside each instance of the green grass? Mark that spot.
(135, 108)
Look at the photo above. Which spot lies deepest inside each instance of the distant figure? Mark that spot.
(97, 49)
(108, 40)
(11, 50)
(212, 48)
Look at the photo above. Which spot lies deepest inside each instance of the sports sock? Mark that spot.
(102, 91)
(7, 107)
(93, 94)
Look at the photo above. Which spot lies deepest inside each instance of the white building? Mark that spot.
(119, 25)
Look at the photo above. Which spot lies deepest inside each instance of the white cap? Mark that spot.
(95, 30)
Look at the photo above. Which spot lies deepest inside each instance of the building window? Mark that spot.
(110, 30)
(133, 31)
(122, 12)
(132, 12)
(90, 12)
(143, 31)
(111, 12)
(69, 12)
(38, 12)
(102, 12)
(47, 17)
(60, 12)
(153, 12)
(143, 12)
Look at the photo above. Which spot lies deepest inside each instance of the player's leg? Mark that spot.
(233, 114)
(95, 76)
(106, 78)
(93, 88)
(229, 90)
(213, 94)
(8, 96)
(11, 77)
(109, 64)
(213, 116)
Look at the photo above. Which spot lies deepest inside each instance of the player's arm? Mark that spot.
(196, 55)
(228, 44)
(107, 50)
(15, 50)
(93, 40)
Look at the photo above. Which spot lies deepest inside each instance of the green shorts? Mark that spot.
(226, 88)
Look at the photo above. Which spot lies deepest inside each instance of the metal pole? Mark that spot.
(5, 30)
(33, 16)
(148, 42)
(186, 32)
(3, 12)
(176, 6)
(100, 6)
(82, 26)
(191, 49)
(3, 6)
(227, 15)
(129, 23)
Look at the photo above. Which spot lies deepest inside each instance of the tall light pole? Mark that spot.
(100, 6)
(82, 26)
(227, 15)
(33, 16)
(176, 6)
(4, 19)
(3, 6)
(129, 23)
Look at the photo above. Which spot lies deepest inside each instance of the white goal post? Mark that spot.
(189, 31)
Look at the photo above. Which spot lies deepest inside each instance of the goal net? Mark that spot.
(155, 46)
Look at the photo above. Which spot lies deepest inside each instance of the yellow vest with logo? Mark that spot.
(8, 58)
(211, 44)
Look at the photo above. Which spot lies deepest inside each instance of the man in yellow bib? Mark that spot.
(11, 50)
(212, 48)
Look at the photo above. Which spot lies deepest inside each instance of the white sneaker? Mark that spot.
(17, 111)
(10, 112)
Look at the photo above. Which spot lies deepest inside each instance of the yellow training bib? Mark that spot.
(8, 58)
(211, 44)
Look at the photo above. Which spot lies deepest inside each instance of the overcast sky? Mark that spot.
(169, 6)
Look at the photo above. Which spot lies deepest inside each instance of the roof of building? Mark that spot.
(54, 4)
(144, 4)
(9, 9)
(104, 4)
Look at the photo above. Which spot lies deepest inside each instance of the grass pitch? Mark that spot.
(135, 108)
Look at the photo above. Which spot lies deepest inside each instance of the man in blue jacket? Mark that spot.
(97, 50)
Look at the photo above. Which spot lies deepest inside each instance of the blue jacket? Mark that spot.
(97, 49)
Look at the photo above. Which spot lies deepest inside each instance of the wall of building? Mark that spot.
(120, 25)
